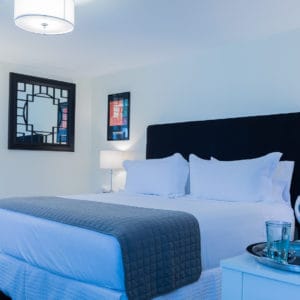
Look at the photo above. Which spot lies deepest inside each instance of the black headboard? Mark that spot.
(230, 139)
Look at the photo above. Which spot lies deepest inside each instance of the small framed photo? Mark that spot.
(118, 117)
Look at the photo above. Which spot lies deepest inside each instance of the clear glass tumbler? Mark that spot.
(278, 240)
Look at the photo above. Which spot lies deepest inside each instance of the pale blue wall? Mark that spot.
(257, 77)
(28, 172)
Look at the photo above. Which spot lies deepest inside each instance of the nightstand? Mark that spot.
(243, 278)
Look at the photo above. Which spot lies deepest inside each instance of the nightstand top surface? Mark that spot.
(246, 263)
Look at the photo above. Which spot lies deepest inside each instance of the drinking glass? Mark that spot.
(278, 240)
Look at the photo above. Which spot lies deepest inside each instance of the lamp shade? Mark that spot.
(111, 159)
(45, 16)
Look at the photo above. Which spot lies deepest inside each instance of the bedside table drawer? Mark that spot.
(243, 278)
(232, 283)
(261, 288)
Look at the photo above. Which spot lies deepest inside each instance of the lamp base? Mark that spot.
(106, 190)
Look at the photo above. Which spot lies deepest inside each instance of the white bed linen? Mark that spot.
(94, 258)
(227, 228)
(66, 250)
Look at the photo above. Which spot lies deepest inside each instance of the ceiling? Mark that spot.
(112, 35)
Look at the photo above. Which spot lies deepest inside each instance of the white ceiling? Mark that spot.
(113, 35)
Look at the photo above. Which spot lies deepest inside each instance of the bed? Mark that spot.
(48, 260)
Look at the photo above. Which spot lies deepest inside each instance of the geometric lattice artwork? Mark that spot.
(43, 113)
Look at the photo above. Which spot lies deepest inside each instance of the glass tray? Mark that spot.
(292, 265)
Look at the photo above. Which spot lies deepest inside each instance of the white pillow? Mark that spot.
(281, 182)
(241, 180)
(165, 176)
(282, 179)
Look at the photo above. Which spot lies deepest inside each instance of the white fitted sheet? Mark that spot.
(66, 250)
(94, 258)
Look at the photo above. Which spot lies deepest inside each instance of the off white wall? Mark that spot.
(253, 78)
(258, 77)
(25, 172)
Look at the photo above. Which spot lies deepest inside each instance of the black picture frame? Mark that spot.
(118, 117)
(25, 92)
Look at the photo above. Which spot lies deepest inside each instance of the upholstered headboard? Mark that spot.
(230, 139)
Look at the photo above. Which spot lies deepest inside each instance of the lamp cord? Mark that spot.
(111, 184)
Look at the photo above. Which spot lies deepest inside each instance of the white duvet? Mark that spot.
(226, 229)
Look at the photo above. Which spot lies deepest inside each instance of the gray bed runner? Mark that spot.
(160, 248)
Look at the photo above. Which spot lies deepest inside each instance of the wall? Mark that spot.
(25, 172)
(250, 78)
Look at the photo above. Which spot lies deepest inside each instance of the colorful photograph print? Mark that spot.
(62, 132)
(118, 117)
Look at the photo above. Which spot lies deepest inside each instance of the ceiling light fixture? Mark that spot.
(45, 16)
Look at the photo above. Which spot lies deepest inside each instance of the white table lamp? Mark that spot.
(112, 160)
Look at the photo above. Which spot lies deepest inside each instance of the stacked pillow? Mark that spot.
(166, 176)
(281, 181)
(241, 180)
(251, 180)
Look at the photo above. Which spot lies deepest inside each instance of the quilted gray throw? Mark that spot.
(160, 248)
